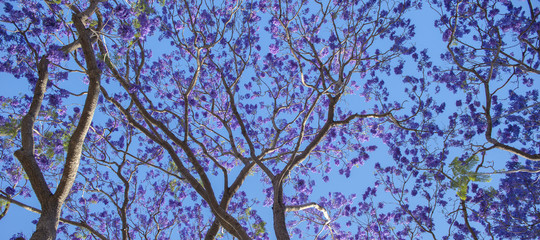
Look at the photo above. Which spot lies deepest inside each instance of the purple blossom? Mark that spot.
(50, 25)
(56, 55)
(122, 12)
(126, 32)
(10, 191)
(151, 162)
(8, 7)
(274, 49)
(446, 35)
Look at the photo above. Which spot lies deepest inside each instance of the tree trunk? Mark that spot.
(278, 208)
(51, 204)
(48, 221)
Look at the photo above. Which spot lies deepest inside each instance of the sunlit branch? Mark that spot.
(295, 208)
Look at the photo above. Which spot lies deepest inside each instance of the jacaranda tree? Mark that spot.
(230, 119)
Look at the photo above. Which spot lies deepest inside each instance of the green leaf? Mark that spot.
(136, 23)
(259, 227)
(239, 147)
(464, 172)
(10, 128)
(173, 185)
(3, 202)
(462, 192)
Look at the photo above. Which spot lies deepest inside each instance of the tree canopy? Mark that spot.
(293, 119)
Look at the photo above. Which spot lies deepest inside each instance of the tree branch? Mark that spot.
(77, 139)
(294, 208)
(26, 153)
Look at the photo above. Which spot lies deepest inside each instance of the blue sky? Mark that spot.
(19, 220)
(427, 36)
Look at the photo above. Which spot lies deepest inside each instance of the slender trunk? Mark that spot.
(278, 208)
(212, 231)
(51, 204)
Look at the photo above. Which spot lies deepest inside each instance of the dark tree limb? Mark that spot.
(51, 204)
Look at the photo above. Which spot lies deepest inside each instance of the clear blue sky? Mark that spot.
(19, 220)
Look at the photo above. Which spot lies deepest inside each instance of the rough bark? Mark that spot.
(278, 207)
(48, 221)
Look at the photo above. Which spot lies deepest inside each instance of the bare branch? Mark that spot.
(295, 208)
